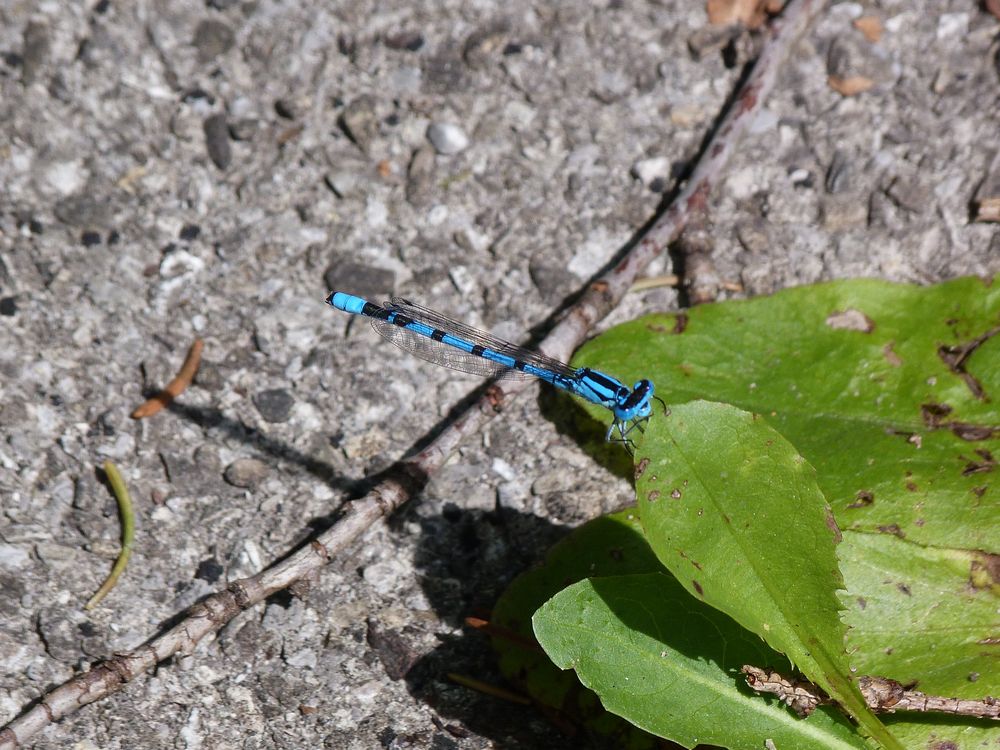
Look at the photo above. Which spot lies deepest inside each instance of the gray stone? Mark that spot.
(246, 472)
(213, 38)
(360, 279)
(217, 141)
(447, 138)
(359, 121)
(274, 405)
(35, 51)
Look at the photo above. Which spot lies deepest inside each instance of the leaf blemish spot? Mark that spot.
(863, 499)
(850, 320)
(892, 528)
(641, 467)
(987, 464)
(698, 588)
(676, 494)
(890, 356)
(653, 496)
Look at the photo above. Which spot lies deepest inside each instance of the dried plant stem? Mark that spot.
(882, 695)
(128, 533)
(411, 474)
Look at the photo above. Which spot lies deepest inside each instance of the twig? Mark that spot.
(882, 695)
(655, 282)
(487, 689)
(128, 533)
(411, 474)
(175, 387)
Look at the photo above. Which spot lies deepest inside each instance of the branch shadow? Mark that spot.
(467, 558)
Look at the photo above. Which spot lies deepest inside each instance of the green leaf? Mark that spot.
(670, 664)
(610, 545)
(921, 615)
(924, 616)
(891, 391)
(735, 513)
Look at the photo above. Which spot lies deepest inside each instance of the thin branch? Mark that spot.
(883, 696)
(410, 475)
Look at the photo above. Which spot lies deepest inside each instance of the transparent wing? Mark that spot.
(448, 356)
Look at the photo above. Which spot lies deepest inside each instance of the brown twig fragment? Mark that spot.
(175, 387)
(411, 474)
(881, 694)
(799, 695)
(487, 689)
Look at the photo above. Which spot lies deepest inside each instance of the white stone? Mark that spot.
(952, 24)
(649, 170)
(13, 557)
(447, 138)
(66, 177)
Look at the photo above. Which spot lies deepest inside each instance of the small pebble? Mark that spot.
(482, 43)
(34, 52)
(14, 557)
(420, 177)
(800, 177)
(344, 183)
(838, 174)
(246, 472)
(207, 458)
(404, 40)
(274, 405)
(652, 171)
(190, 232)
(953, 24)
(243, 129)
(213, 38)
(217, 141)
(551, 280)
(209, 377)
(359, 121)
(8, 306)
(209, 570)
(359, 279)
(447, 138)
(81, 210)
(197, 96)
(66, 177)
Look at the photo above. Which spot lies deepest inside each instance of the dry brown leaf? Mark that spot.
(871, 27)
(749, 13)
(850, 85)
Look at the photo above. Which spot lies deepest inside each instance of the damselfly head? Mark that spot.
(636, 404)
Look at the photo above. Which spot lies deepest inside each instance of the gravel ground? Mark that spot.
(174, 170)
